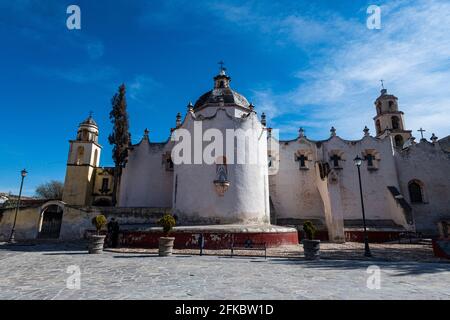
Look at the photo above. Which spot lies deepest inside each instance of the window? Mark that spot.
(269, 161)
(395, 122)
(378, 108)
(335, 159)
(370, 159)
(391, 105)
(95, 158)
(302, 161)
(378, 126)
(167, 161)
(415, 191)
(398, 141)
(105, 183)
(79, 156)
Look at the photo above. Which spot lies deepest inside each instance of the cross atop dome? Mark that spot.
(222, 68)
(221, 80)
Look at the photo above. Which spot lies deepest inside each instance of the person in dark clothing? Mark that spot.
(113, 233)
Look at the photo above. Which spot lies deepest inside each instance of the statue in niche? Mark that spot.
(221, 183)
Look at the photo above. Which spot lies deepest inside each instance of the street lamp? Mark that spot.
(23, 173)
(358, 161)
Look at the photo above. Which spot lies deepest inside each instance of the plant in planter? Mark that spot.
(167, 222)
(97, 241)
(311, 247)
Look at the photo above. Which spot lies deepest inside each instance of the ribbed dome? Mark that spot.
(226, 95)
(221, 93)
(89, 121)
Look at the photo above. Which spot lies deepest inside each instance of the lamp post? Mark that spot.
(23, 173)
(358, 162)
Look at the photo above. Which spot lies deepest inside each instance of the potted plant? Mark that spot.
(167, 222)
(311, 247)
(97, 241)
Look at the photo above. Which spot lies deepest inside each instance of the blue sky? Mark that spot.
(305, 63)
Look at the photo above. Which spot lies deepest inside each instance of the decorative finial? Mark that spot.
(90, 114)
(433, 138)
(421, 133)
(333, 131)
(301, 132)
(366, 131)
(178, 121)
(146, 132)
(383, 89)
(190, 106)
(263, 119)
(251, 107)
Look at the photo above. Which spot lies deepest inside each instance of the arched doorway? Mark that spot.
(51, 218)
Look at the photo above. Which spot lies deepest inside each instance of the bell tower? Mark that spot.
(84, 158)
(389, 119)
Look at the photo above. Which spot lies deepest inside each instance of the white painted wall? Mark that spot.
(426, 162)
(246, 201)
(145, 181)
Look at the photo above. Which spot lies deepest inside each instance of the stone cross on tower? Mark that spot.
(382, 83)
(222, 68)
(421, 132)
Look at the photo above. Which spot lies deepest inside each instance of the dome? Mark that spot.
(222, 93)
(89, 122)
(226, 95)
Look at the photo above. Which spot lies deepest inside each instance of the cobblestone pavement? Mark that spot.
(40, 272)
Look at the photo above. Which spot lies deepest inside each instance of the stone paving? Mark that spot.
(40, 272)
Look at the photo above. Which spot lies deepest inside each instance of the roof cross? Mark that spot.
(421, 131)
(382, 83)
(222, 68)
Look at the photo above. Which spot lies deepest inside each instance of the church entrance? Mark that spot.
(51, 222)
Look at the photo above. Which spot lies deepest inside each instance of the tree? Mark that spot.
(50, 190)
(120, 137)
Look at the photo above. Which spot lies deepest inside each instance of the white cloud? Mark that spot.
(411, 53)
(141, 86)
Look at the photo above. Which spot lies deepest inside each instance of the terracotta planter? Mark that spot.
(311, 249)
(166, 246)
(96, 243)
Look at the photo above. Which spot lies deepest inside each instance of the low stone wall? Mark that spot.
(76, 220)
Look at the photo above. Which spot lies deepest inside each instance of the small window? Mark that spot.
(391, 104)
(398, 141)
(370, 159)
(335, 160)
(80, 155)
(105, 184)
(378, 126)
(302, 161)
(415, 191)
(395, 123)
(270, 161)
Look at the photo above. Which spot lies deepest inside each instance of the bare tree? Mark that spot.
(50, 190)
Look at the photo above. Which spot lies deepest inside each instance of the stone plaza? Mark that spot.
(43, 271)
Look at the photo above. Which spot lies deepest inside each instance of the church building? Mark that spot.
(406, 183)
